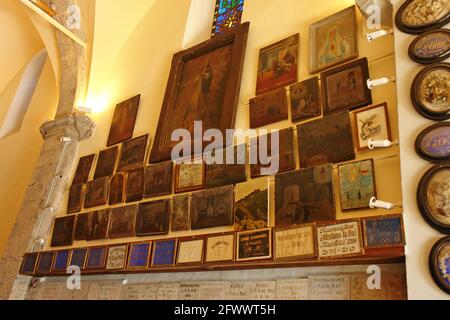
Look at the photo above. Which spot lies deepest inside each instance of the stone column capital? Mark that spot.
(75, 126)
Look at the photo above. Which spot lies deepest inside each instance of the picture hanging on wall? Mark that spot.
(345, 87)
(61, 261)
(326, 140)
(252, 211)
(158, 179)
(45, 261)
(430, 92)
(220, 248)
(204, 84)
(123, 122)
(83, 169)
(29, 264)
(333, 40)
(189, 176)
(117, 257)
(433, 196)
(356, 184)
(97, 192)
(78, 257)
(278, 65)
(254, 245)
(153, 218)
(97, 225)
(75, 201)
(293, 243)
(418, 16)
(371, 123)
(306, 195)
(222, 174)
(439, 263)
(63, 229)
(135, 185)
(122, 222)
(132, 153)
(433, 143)
(106, 162)
(268, 108)
(139, 255)
(190, 251)
(305, 99)
(96, 257)
(117, 189)
(384, 232)
(431, 47)
(80, 227)
(164, 253)
(181, 220)
(212, 208)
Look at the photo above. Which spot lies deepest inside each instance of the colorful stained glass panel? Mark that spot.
(227, 15)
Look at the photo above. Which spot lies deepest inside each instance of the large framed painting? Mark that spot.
(252, 211)
(164, 253)
(123, 121)
(203, 85)
(153, 218)
(371, 123)
(63, 229)
(294, 243)
(117, 257)
(220, 248)
(340, 239)
(189, 176)
(326, 140)
(222, 174)
(431, 47)
(190, 251)
(122, 222)
(158, 179)
(181, 219)
(433, 144)
(306, 195)
(268, 108)
(132, 154)
(345, 87)
(83, 169)
(106, 162)
(433, 196)
(384, 231)
(285, 156)
(139, 255)
(212, 208)
(356, 184)
(135, 185)
(76, 196)
(430, 93)
(97, 192)
(278, 65)
(254, 245)
(117, 189)
(333, 40)
(305, 99)
(97, 225)
(439, 263)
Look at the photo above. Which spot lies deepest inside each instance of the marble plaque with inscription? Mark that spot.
(189, 291)
(329, 287)
(292, 289)
(262, 290)
(47, 291)
(392, 287)
(146, 291)
(212, 290)
(339, 240)
(236, 290)
(105, 291)
(295, 243)
(168, 291)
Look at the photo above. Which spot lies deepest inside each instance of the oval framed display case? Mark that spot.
(430, 92)
(433, 197)
(439, 263)
(431, 47)
(433, 143)
(416, 17)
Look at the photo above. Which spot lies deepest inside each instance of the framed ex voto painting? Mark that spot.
(204, 85)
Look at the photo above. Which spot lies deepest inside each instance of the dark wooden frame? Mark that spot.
(418, 142)
(139, 233)
(175, 254)
(364, 65)
(214, 235)
(151, 193)
(236, 36)
(433, 265)
(190, 239)
(415, 88)
(270, 257)
(62, 271)
(37, 271)
(136, 100)
(417, 30)
(422, 201)
(177, 189)
(298, 226)
(435, 59)
(26, 256)
(127, 167)
(105, 186)
(150, 249)
(103, 265)
(355, 123)
(83, 267)
(64, 243)
(127, 248)
(391, 216)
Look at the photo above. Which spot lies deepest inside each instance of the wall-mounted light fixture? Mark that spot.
(378, 82)
(378, 204)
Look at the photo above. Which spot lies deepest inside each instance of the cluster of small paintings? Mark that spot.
(309, 241)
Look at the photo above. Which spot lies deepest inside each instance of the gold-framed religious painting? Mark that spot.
(97, 192)
(76, 196)
(153, 218)
(106, 162)
(294, 243)
(180, 212)
(220, 247)
(117, 189)
(123, 121)
(203, 85)
(132, 154)
(333, 40)
(122, 222)
(371, 123)
(63, 229)
(97, 225)
(135, 185)
(278, 65)
(189, 176)
(158, 179)
(80, 227)
(305, 99)
(83, 169)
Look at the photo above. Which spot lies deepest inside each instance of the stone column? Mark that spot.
(43, 197)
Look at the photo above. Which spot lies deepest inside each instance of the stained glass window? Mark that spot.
(227, 15)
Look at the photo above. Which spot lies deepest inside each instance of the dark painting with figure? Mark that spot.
(180, 213)
(63, 231)
(212, 208)
(132, 153)
(285, 156)
(268, 108)
(122, 222)
(76, 195)
(306, 195)
(158, 179)
(97, 225)
(135, 185)
(97, 193)
(80, 227)
(305, 99)
(153, 218)
(326, 140)
(117, 189)
(106, 162)
(123, 122)
(222, 174)
(203, 86)
(83, 169)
